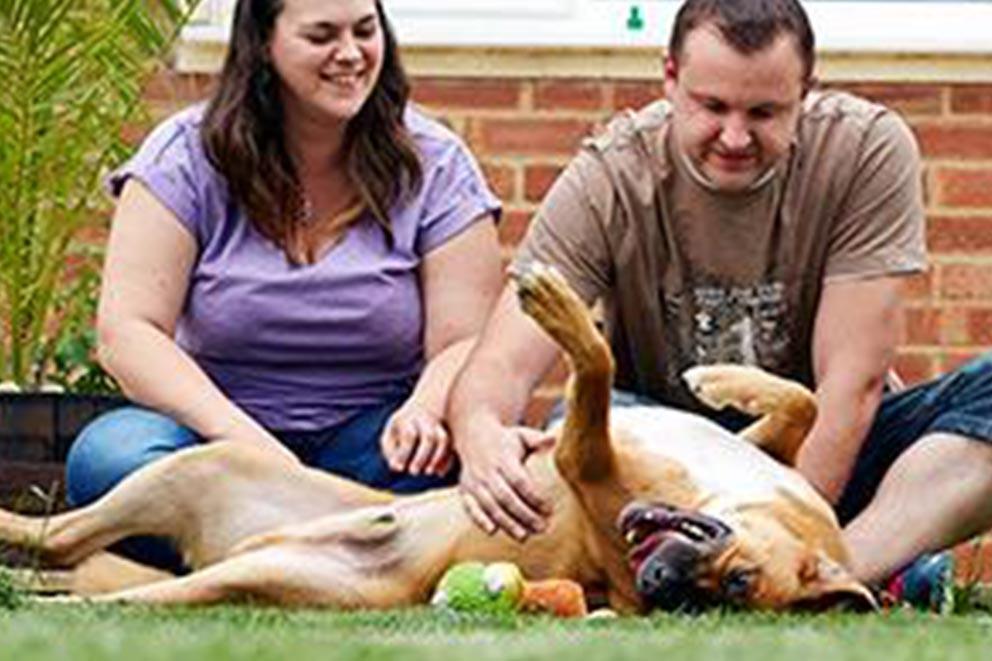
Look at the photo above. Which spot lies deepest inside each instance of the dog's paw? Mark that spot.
(545, 295)
(537, 280)
(720, 386)
(748, 389)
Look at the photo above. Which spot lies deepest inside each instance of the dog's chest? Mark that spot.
(717, 461)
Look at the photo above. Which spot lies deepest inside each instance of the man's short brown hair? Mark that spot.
(749, 26)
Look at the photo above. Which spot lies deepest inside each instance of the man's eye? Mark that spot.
(715, 107)
(761, 113)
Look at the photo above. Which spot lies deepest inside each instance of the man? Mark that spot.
(747, 219)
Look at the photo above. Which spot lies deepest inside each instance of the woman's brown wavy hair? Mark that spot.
(244, 140)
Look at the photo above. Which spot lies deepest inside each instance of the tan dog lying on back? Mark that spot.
(654, 506)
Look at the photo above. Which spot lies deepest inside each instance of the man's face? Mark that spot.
(734, 115)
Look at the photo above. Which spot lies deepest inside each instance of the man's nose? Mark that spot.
(736, 134)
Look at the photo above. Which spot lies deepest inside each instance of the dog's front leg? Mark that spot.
(584, 453)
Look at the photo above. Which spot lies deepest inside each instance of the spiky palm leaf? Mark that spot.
(71, 73)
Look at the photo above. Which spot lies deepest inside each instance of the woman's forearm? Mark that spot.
(434, 384)
(154, 371)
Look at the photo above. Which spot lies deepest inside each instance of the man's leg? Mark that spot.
(937, 494)
(923, 481)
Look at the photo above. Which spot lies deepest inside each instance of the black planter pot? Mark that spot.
(36, 430)
(42, 426)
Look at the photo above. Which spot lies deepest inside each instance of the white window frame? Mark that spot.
(893, 26)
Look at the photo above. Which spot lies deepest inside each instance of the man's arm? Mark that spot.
(854, 340)
(488, 398)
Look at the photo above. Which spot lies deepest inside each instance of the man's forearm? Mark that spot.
(486, 391)
(845, 414)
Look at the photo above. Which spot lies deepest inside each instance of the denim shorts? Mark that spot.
(121, 441)
(959, 402)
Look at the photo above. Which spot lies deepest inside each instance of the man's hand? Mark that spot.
(497, 490)
(414, 441)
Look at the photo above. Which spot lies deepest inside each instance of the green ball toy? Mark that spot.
(476, 588)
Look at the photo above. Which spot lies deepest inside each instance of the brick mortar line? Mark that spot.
(970, 165)
(528, 160)
(944, 211)
(966, 259)
(959, 213)
(943, 305)
(935, 350)
(523, 113)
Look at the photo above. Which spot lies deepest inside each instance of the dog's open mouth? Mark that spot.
(669, 549)
(644, 526)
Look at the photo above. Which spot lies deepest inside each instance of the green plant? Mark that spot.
(72, 73)
(12, 595)
(72, 364)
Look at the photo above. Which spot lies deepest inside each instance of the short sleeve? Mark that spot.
(569, 229)
(167, 163)
(881, 225)
(455, 195)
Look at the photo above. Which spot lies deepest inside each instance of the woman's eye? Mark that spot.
(318, 39)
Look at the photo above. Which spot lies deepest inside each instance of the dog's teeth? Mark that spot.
(632, 537)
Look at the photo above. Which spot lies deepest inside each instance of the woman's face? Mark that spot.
(328, 55)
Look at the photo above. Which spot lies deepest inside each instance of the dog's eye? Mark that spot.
(736, 583)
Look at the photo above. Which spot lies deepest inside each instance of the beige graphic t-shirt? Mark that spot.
(688, 276)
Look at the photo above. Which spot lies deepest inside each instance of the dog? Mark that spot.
(653, 507)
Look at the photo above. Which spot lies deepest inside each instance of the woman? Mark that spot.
(300, 265)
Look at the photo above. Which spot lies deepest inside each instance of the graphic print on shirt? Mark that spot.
(743, 325)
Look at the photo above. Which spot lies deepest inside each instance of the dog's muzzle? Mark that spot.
(668, 550)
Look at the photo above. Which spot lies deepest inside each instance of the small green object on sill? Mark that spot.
(635, 21)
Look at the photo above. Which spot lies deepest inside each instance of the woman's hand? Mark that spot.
(414, 441)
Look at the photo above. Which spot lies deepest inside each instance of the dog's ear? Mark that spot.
(829, 586)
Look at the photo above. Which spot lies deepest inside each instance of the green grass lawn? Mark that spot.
(87, 633)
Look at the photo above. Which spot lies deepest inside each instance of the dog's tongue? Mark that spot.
(637, 555)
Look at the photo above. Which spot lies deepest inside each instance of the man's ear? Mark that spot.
(671, 75)
(826, 585)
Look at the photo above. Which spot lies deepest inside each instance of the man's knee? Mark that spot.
(115, 444)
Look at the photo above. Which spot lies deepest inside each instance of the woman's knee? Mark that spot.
(116, 444)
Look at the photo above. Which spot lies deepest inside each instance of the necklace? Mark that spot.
(304, 213)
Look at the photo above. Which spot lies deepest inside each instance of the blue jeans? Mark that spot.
(957, 403)
(120, 442)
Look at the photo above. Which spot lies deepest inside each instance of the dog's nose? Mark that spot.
(667, 578)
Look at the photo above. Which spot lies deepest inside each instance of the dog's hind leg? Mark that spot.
(207, 499)
(785, 409)
(346, 561)
(584, 452)
(99, 573)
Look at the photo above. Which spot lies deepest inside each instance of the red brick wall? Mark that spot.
(523, 132)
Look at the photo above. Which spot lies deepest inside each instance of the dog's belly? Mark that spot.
(717, 461)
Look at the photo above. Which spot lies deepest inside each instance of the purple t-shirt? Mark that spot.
(304, 347)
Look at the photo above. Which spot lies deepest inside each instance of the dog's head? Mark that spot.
(689, 561)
